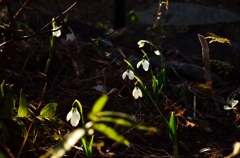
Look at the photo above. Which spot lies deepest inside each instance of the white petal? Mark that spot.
(124, 75)
(75, 118)
(130, 75)
(157, 52)
(233, 102)
(69, 115)
(70, 37)
(134, 93)
(56, 33)
(139, 92)
(236, 148)
(145, 65)
(226, 107)
(139, 63)
(141, 44)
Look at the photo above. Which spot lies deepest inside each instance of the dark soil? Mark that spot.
(77, 67)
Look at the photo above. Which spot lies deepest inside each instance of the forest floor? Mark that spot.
(79, 66)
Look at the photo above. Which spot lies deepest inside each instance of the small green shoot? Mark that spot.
(49, 111)
(101, 25)
(132, 17)
(56, 32)
(10, 103)
(22, 110)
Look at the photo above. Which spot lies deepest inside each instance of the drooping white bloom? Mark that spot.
(73, 116)
(231, 104)
(70, 36)
(56, 33)
(137, 93)
(128, 73)
(157, 52)
(144, 63)
(141, 43)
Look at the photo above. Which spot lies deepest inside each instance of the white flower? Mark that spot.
(137, 93)
(157, 52)
(144, 63)
(141, 43)
(128, 73)
(70, 36)
(233, 103)
(74, 115)
(56, 33)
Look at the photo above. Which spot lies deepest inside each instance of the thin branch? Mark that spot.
(63, 13)
(29, 36)
(20, 11)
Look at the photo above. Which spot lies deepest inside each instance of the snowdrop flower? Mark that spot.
(56, 33)
(137, 93)
(141, 43)
(73, 116)
(144, 63)
(233, 103)
(70, 36)
(128, 73)
(157, 52)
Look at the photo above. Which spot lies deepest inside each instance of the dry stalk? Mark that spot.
(206, 59)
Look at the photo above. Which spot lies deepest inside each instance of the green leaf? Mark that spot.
(127, 123)
(49, 110)
(98, 106)
(65, 145)
(110, 133)
(4, 129)
(90, 146)
(155, 85)
(21, 124)
(84, 143)
(119, 121)
(116, 114)
(145, 128)
(10, 103)
(2, 92)
(22, 110)
(101, 25)
(172, 124)
(132, 17)
(2, 155)
(35, 132)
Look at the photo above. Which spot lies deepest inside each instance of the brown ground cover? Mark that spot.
(77, 67)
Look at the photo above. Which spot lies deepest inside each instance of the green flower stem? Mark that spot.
(162, 58)
(52, 39)
(152, 100)
(87, 149)
(165, 121)
(77, 103)
(129, 64)
(145, 55)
